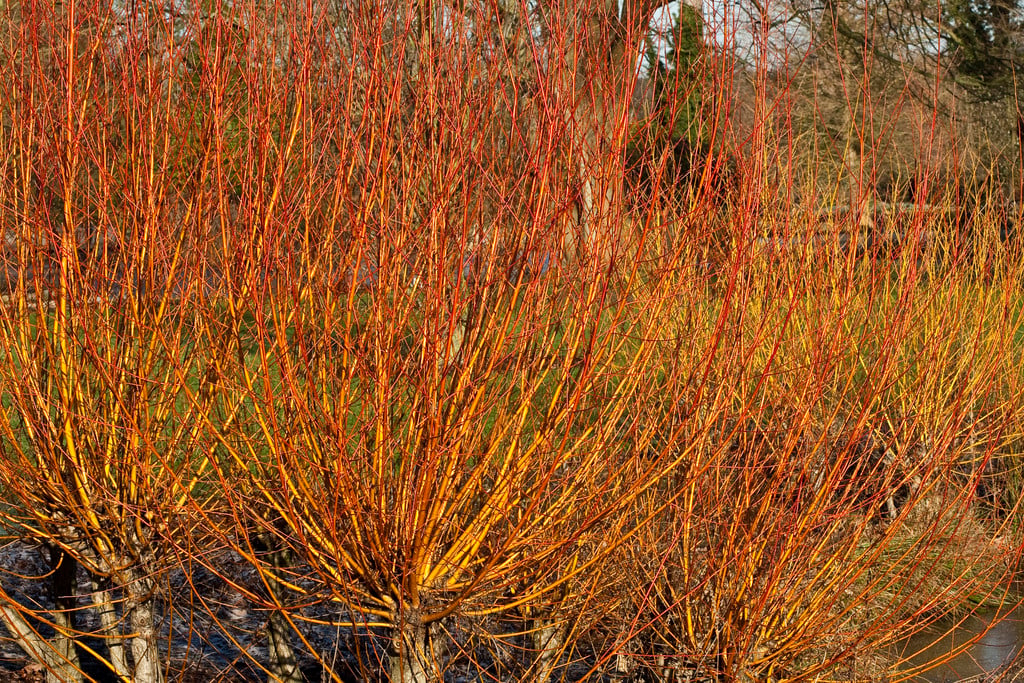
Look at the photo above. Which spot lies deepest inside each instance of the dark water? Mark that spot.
(997, 650)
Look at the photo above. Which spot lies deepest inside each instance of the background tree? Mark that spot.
(986, 46)
(670, 136)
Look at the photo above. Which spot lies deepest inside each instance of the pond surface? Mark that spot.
(998, 650)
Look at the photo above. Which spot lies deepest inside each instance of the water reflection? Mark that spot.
(997, 649)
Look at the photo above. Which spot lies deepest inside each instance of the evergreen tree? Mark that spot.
(677, 79)
(665, 141)
(984, 38)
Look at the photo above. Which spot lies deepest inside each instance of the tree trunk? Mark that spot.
(409, 651)
(145, 640)
(600, 193)
(283, 666)
(548, 642)
(110, 629)
(862, 195)
(59, 656)
(1020, 158)
(59, 669)
(64, 585)
(624, 661)
(606, 49)
(834, 28)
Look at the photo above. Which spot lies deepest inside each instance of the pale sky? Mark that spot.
(729, 24)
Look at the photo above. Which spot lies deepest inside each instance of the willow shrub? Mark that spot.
(369, 311)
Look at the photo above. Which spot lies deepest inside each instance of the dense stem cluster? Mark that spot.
(399, 331)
